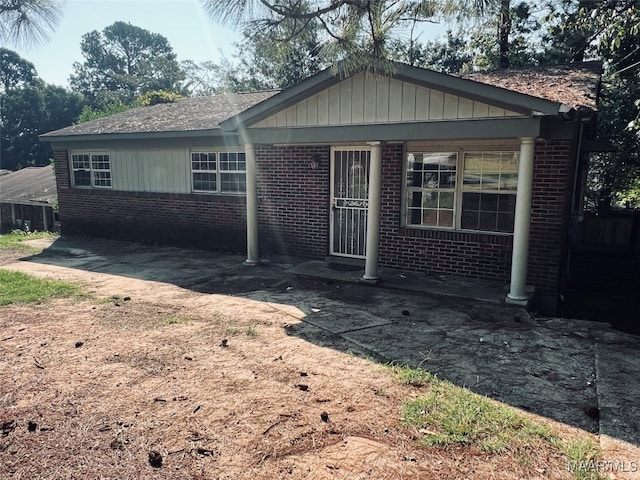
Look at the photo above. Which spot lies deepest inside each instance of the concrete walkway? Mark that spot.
(584, 374)
(581, 373)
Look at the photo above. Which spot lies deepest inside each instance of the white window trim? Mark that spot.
(457, 201)
(92, 171)
(219, 171)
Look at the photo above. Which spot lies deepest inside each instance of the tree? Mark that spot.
(28, 108)
(451, 55)
(280, 64)
(28, 20)
(201, 78)
(262, 62)
(614, 27)
(15, 71)
(123, 62)
(356, 32)
(28, 112)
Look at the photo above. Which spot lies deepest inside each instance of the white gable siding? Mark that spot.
(363, 99)
(151, 170)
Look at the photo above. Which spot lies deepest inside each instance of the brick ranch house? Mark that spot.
(474, 176)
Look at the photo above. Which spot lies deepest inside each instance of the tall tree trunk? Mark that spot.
(504, 29)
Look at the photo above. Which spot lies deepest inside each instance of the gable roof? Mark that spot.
(529, 91)
(29, 185)
(490, 89)
(184, 115)
(575, 84)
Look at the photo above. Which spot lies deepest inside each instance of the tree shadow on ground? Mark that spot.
(554, 367)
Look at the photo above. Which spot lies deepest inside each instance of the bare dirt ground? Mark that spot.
(147, 380)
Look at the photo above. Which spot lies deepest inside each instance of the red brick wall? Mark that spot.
(293, 199)
(553, 170)
(206, 221)
(293, 209)
(478, 255)
(473, 255)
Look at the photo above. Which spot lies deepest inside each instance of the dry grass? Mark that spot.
(92, 388)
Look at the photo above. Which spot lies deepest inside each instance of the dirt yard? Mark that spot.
(144, 380)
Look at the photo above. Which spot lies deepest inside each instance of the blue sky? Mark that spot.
(190, 32)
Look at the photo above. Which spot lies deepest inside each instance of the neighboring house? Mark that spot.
(421, 171)
(27, 199)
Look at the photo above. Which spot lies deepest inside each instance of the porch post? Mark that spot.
(373, 214)
(252, 206)
(45, 222)
(13, 215)
(520, 255)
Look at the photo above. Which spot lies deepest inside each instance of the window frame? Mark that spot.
(219, 171)
(459, 190)
(94, 180)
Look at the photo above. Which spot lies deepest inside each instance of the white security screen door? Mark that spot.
(349, 201)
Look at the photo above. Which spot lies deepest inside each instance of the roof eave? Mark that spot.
(132, 136)
(281, 100)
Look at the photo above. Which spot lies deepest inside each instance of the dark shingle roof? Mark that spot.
(574, 84)
(185, 114)
(29, 185)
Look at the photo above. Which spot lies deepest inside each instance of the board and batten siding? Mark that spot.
(158, 170)
(364, 98)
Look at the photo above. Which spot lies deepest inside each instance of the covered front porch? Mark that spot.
(518, 292)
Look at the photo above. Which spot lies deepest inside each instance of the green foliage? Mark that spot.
(89, 113)
(614, 176)
(157, 96)
(279, 59)
(582, 454)
(16, 72)
(201, 78)
(123, 62)
(249, 331)
(177, 319)
(356, 33)
(15, 239)
(28, 112)
(28, 21)
(416, 377)
(449, 415)
(265, 59)
(150, 98)
(17, 287)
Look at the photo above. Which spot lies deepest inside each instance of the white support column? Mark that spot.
(520, 255)
(373, 214)
(45, 220)
(252, 206)
(13, 215)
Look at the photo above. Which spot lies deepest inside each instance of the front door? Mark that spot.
(349, 201)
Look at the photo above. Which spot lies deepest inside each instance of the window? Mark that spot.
(467, 190)
(205, 172)
(91, 170)
(431, 186)
(489, 191)
(219, 172)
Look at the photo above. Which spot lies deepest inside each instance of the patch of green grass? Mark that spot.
(177, 319)
(17, 287)
(447, 415)
(416, 377)
(582, 454)
(450, 415)
(249, 331)
(15, 239)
